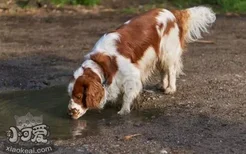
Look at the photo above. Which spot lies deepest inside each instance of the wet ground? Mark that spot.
(52, 103)
(206, 115)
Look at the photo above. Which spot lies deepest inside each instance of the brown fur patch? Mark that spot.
(88, 90)
(170, 25)
(139, 34)
(108, 64)
(182, 17)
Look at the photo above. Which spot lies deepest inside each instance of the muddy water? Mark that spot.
(52, 104)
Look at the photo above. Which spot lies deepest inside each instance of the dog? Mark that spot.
(122, 60)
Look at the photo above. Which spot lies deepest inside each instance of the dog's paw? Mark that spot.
(170, 90)
(124, 111)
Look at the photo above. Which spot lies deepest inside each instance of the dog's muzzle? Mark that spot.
(75, 110)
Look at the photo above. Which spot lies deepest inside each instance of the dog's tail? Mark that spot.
(193, 21)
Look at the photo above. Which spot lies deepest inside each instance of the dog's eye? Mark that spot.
(78, 97)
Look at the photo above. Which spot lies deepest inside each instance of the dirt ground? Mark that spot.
(206, 115)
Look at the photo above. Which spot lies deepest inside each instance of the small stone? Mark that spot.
(108, 123)
(150, 138)
(86, 145)
(72, 144)
(138, 124)
(80, 150)
(239, 76)
(152, 117)
(116, 145)
(163, 151)
(46, 83)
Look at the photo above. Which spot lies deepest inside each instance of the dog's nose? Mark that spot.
(73, 113)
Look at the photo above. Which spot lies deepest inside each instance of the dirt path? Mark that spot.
(37, 52)
(206, 115)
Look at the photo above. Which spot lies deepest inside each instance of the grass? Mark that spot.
(219, 5)
(130, 10)
(241, 7)
(22, 3)
(76, 2)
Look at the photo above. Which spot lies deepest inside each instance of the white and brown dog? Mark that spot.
(122, 60)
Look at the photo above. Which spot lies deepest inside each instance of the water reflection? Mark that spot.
(78, 126)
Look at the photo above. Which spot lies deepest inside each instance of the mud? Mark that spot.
(206, 115)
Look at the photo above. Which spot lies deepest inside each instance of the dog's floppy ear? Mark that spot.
(108, 64)
(94, 94)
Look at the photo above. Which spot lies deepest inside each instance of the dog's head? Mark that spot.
(86, 92)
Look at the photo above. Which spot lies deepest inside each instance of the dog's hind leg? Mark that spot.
(171, 62)
(165, 79)
(171, 75)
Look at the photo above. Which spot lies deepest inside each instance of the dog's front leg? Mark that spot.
(132, 88)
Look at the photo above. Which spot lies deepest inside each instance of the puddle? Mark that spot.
(52, 103)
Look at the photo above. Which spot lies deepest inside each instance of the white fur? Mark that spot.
(147, 64)
(200, 19)
(107, 44)
(73, 105)
(78, 72)
(127, 22)
(70, 88)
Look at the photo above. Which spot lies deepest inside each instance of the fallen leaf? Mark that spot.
(128, 137)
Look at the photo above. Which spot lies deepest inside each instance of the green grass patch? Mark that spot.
(130, 10)
(22, 3)
(241, 7)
